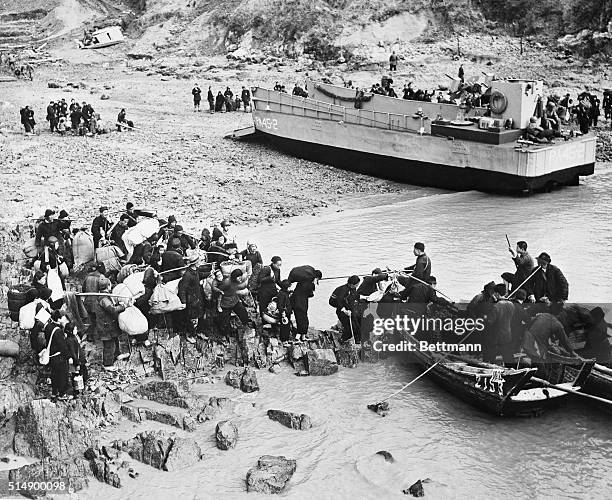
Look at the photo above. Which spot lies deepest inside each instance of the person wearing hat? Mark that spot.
(524, 265)
(107, 325)
(196, 92)
(597, 344)
(548, 283)
(100, 227)
(344, 299)
(421, 270)
(373, 283)
(48, 227)
(192, 295)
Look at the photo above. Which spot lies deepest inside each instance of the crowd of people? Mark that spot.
(223, 102)
(74, 118)
(210, 280)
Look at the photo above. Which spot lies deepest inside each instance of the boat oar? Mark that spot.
(526, 280)
(546, 383)
(343, 277)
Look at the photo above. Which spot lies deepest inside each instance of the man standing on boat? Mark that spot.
(548, 284)
(498, 339)
(419, 272)
(523, 262)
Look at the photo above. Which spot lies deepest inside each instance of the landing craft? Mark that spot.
(104, 37)
(425, 143)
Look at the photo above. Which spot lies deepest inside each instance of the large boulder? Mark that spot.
(322, 362)
(183, 453)
(291, 420)
(105, 471)
(232, 378)
(168, 392)
(45, 429)
(161, 450)
(248, 381)
(73, 473)
(226, 435)
(271, 474)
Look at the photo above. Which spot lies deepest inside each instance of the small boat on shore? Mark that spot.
(505, 392)
(599, 381)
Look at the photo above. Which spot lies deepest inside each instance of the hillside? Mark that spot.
(365, 30)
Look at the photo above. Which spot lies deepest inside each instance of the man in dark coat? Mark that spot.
(91, 284)
(370, 283)
(58, 357)
(499, 337)
(346, 309)
(421, 270)
(52, 116)
(302, 293)
(219, 102)
(548, 284)
(47, 228)
(187, 242)
(266, 290)
(545, 327)
(197, 97)
(524, 265)
(192, 295)
(246, 98)
(171, 259)
(107, 326)
(100, 227)
(211, 100)
(228, 95)
(116, 235)
(276, 265)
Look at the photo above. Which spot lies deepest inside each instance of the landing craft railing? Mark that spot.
(300, 106)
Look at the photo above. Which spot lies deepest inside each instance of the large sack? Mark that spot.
(30, 249)
(229, 265)
(82, 249)
(121, 290)
(173, 286)
(126, 271)
(109, 256)
(133, 322)
(55, 284)
(301, 273)
(163, 300)
(140, 232)
(135, 284)
(18, 297)
(27, 315)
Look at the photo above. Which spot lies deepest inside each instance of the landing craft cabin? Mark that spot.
(425, 143)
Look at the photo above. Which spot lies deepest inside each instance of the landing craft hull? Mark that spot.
(382, 145)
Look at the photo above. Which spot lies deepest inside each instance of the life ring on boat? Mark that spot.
(498, 102)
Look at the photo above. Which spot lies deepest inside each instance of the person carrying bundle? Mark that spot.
(107, 325)
(306, 277)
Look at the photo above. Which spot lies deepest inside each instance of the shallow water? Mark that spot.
(566, 453)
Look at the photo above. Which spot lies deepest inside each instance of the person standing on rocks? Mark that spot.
(306, 277)
(107, 326)
(59, 354)
(191, 294)
(100, 227)
(211, 100)
(197, 97)
(344, 299)
(230, 301)
(393, 61)
(91, 284)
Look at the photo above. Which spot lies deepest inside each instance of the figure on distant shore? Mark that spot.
(211, 100)
(393, 61)
(246, 99)
(197, 97)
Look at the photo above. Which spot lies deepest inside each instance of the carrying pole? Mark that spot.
(526, 280)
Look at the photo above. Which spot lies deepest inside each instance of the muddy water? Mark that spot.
(467, 454)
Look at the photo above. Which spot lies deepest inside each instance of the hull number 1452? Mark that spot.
(269, 123)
